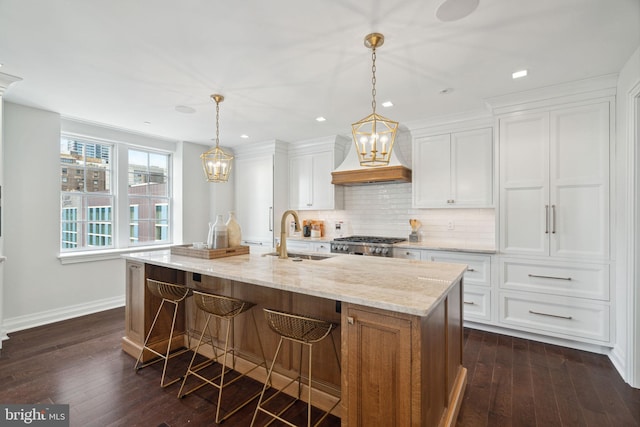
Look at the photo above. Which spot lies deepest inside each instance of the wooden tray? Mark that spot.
(189, 250)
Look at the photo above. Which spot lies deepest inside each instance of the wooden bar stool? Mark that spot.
(224, 308)
(170, 294)
(306, 331)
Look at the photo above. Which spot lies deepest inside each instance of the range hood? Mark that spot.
(351, 173)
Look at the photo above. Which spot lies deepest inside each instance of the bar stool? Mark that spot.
(224, 308)
(306, 331)
(170, 294)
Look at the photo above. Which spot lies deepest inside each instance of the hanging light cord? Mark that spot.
(217, 123)
(373, 79)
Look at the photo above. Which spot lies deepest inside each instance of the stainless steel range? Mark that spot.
(365, 245)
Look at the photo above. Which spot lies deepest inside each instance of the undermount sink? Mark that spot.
(299, 257)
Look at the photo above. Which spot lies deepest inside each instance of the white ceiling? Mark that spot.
(282, 63)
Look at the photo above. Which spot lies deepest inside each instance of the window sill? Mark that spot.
(104, 255)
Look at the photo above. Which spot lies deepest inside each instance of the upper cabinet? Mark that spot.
(310, 166)
(453, 170)
(554, 182)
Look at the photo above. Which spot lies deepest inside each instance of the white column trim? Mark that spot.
(633, 226)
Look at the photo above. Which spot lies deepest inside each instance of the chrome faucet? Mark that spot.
(281, 248)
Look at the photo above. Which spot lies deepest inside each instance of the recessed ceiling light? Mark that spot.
(387, 104)
(147, 123)
(320, 119)
(185, 109)
(446, 91)
(519, 74)
(243, 136)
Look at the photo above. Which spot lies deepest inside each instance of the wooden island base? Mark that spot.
(397, 369)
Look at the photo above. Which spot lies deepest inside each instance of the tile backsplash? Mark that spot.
(385, 210)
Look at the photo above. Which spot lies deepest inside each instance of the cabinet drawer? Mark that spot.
(575, 280)
(323, 247)
(297, 245)
(560, 316)
(407, 253)
(477, 303)
(478, 270)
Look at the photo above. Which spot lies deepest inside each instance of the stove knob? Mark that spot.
(385, 251)
(378, 250)
(344, 248)
(334, 247)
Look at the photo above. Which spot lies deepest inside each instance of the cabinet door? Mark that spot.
(300, 182)
(432, 172)
(254, 199)
(323, 191)
(472, 168)
(377, 386)
(579, 181)
(135, 303)
(524, 184)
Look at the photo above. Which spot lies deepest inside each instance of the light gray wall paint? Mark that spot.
(37, 287)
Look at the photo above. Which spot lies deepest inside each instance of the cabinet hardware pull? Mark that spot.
(471, 269)
(270, 218)
(309, 204)
(550, 277)
(553, 222)
(350, 320)
(546, 219)
(469, 302)
(550, 315)
(249, 242)
(135, 267)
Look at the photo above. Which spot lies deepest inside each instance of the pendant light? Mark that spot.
(215, 162)
(374, 135)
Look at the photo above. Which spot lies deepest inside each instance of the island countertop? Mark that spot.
(400, 285)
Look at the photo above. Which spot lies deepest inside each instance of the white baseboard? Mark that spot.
(618, 359)
(27, 321)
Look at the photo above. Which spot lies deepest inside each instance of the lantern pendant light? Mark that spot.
(374, 135)
(215, 162)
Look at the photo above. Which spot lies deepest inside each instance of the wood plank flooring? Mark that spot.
(511, 382)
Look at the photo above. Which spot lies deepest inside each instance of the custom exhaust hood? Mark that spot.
(351, 173)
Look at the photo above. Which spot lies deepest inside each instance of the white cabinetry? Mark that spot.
(310, 166)
(308, 246)
(477, 278)
(477, 281)
(562, 299)
(453, 170)
(260, 174)
(554, 221)
(554, 182)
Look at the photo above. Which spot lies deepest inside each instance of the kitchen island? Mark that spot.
(400, 335)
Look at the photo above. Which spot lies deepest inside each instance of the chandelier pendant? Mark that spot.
(215, 162)
(374, 135)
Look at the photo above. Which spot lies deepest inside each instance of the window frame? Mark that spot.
(121, 223)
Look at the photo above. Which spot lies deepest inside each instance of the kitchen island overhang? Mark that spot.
(423, 300)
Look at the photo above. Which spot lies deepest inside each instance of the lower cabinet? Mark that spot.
(402, 370)
(308, 246)
(559, 299)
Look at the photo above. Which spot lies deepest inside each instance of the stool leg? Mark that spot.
(224, 366)
(146, 340)
(193, 358)
(266, 383)
(264, 358)
(166, 360)
(309, 402)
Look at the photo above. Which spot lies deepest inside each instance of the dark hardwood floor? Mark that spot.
(511, 382)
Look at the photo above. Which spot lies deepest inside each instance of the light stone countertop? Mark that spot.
(443, 247)
(400, 285)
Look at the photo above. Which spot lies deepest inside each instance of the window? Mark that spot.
(90, 201)
(149, 194)
(86, 212)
